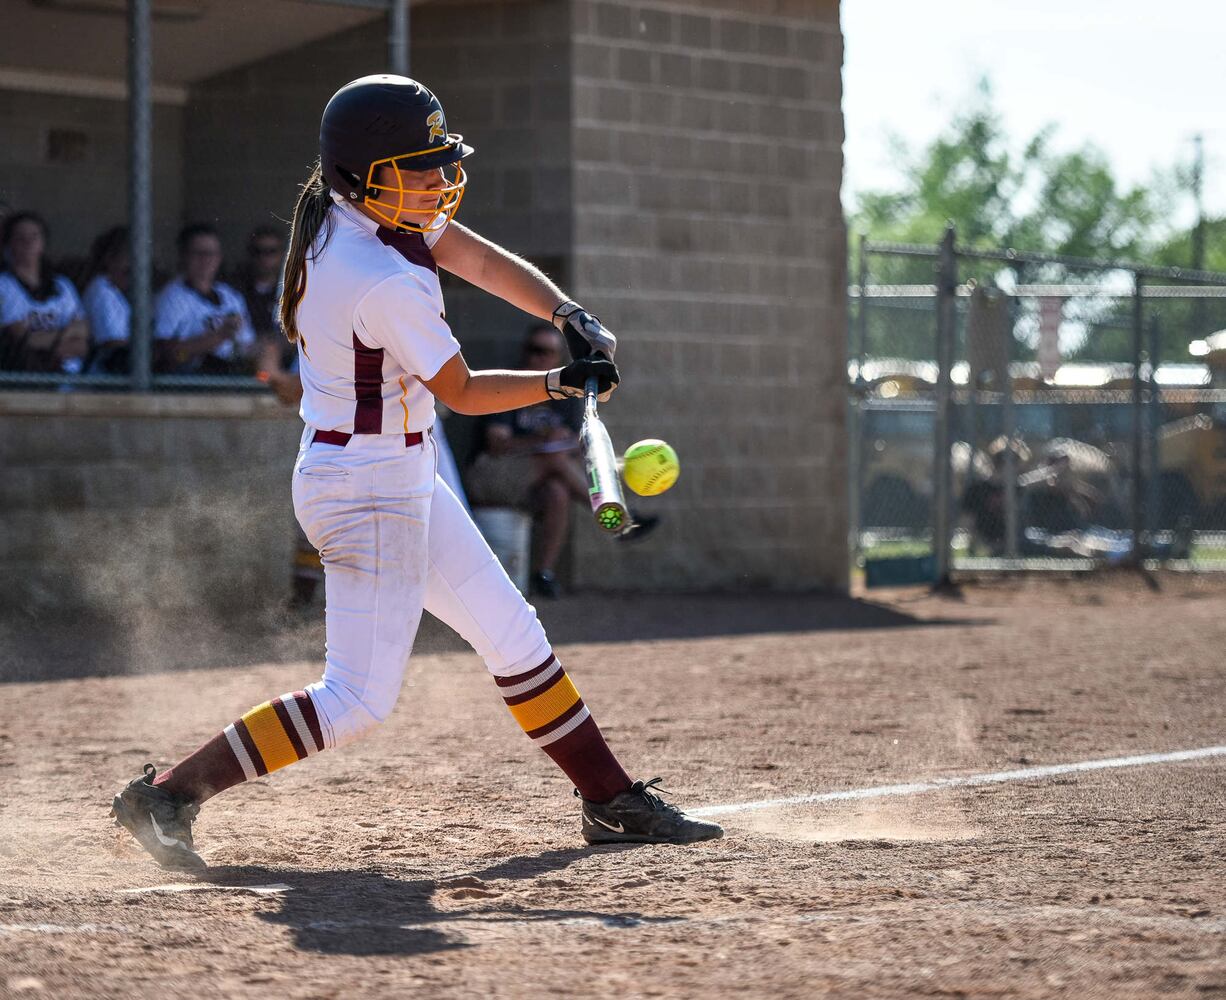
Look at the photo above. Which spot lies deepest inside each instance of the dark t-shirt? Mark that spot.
(262, 307)
(532, 420)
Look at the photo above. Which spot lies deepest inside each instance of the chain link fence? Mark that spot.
(1013, 410)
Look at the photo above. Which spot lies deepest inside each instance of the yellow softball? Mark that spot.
(650, 467)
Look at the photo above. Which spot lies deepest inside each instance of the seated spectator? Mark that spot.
(42, 324)
(259, 279)
(200, 324)
(529, 459)
(106, 300)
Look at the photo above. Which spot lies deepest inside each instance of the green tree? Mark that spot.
(1033, 198)
(998, 194)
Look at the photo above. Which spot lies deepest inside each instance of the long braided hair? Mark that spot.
(310, 215)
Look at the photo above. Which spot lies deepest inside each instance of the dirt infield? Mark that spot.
(441, 857)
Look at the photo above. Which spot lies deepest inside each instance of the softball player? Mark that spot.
(362, 299)
(200, 324)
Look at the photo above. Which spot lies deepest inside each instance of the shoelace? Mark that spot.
(643, 788)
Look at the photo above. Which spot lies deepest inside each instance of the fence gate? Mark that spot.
(1020, 411)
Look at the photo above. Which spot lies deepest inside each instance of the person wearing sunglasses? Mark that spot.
(529, 459)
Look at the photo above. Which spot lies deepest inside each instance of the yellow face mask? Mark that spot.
(391, 203)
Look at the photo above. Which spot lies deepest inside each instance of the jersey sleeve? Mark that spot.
(404, 316)
(72, 308)
(11, 308)
(169, 314)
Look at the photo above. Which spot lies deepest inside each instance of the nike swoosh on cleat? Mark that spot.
(616, 828)
(165, 840)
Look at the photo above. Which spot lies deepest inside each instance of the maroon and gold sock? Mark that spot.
(547, 706)
(269, 737)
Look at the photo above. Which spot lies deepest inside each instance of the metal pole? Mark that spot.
(862, 317)
(855, 476)
(1009, 430)
(947, 284)
(1154, 411)
(398, 37)
(1198, 231)
(1137, 496)
(140, 189)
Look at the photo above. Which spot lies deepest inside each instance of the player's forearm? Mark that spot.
(496, 391)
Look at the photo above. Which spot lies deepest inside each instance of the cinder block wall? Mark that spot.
(676, 164)
(80, 199)
(252, 134)
(708, 233)
(117, 505)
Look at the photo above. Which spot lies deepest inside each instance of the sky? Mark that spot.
(1136, 79)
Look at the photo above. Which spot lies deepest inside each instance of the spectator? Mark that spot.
(42, 324)
(529, 459)
(259, 278)
(106, 300)
(201, 324)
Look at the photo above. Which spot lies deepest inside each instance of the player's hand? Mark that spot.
(584, 333)
(571, 382)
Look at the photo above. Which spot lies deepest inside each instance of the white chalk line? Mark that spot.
(258, 890)
(966, 781)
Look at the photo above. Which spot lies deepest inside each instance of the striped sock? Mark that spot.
(268, 738)
(548, 708)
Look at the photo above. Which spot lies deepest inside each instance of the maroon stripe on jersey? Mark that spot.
(527, 675)
(307, 708)
(411, 246)
(290, 729)
(368, 388)
(244, 735)
(562, 719)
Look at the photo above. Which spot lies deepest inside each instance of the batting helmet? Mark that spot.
(396, 122)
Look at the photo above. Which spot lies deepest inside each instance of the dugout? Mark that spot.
(675, 164)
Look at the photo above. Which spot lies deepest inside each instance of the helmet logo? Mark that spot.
(438, 128)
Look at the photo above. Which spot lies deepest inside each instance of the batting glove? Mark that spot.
(571, 382)
(584, 333)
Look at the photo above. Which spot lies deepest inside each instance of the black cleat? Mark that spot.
(161, 822)
(639, 817)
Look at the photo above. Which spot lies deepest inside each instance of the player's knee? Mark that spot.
(351, 713)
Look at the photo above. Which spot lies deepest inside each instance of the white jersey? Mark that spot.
(181, 312)
(371, 326)
(51, 307)
(108, 310)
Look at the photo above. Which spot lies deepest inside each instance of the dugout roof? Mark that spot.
(81, 40)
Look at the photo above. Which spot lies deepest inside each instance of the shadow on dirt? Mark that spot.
(369, 913)
(37, 648)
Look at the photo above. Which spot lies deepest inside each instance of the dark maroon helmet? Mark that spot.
(384, 119)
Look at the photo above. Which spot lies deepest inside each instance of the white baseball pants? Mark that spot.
(394, 540)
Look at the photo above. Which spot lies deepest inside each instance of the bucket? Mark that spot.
(509, 533)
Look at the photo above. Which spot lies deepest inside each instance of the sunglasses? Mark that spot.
(540, 349)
